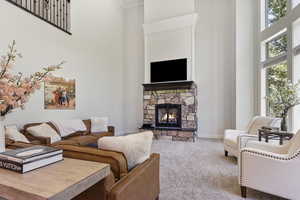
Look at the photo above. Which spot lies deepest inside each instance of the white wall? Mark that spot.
(215, 66)
(134, 67)
(157, 9)
(94, 54)
(245, 61)
(171, 39)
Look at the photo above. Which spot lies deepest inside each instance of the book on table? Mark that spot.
(27, 159)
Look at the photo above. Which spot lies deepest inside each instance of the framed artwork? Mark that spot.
(60, 94)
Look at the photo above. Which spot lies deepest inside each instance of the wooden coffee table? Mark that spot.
(269, 134)
(60, 181)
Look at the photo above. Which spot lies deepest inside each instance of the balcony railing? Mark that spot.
(54, 12)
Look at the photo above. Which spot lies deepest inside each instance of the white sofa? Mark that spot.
(270, 168)
(231, 136)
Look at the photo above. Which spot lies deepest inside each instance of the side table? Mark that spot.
(269, 134)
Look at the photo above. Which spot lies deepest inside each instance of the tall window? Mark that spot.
(276, 9)
(280, 50)
(275, 66)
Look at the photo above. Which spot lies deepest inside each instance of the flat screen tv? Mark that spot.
(167, 71)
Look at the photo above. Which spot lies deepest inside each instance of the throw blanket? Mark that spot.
(68, 127)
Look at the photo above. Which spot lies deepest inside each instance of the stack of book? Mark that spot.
(27, 159)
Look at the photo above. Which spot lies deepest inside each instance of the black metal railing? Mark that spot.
(54, 12)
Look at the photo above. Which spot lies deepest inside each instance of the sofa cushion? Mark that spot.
(14, 135)
(136, 147)
(44, 130)
(99, 124)
(26, 126)
(116, 160)
(69, 127)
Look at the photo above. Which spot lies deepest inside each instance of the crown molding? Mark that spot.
(132, 3)
(171, 24)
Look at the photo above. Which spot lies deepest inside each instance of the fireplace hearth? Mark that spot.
(168, 115)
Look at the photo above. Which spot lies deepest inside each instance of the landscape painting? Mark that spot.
(60, 94)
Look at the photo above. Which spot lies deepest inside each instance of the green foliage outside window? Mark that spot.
(277, 75)
(276, 9)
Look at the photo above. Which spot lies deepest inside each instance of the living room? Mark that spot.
(149, 99)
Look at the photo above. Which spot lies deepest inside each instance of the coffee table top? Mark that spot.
(60, 181)
(274, 132)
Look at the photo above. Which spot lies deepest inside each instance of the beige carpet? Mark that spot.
(199, 171)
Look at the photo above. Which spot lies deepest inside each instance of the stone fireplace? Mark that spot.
(170, 94)
(171, 109)
(168, 115)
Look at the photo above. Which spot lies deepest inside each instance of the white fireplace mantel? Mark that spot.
(170, 39)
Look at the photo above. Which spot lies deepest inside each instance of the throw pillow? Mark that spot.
(69, 127)
(135, 147)
(99, 124)
(44, 130)
(14, 135)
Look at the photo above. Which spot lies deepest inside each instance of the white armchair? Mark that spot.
(270, 168)
(231, 136)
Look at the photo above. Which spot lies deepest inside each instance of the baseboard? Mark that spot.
(210, 136)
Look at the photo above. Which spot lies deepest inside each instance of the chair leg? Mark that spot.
(226, 153)
(244, 191)
(157, 198)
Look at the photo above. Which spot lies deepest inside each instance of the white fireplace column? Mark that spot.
(169, 31)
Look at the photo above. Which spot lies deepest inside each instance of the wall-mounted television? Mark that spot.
(167, 71)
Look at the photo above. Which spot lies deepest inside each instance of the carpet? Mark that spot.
(199, 171)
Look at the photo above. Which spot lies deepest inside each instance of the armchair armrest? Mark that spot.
(264, 154)
(117, 160)
(42, 140)
(141, 183)
(268, 147)
(251, 159)
(243, 140)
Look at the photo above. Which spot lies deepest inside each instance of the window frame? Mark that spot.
(267, 33)
(266, 9)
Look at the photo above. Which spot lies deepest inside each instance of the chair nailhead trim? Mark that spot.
(264, 155)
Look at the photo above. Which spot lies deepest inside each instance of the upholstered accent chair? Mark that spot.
(231, 136)
(269, 167)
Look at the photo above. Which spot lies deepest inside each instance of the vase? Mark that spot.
(2, 135)
(283, 125)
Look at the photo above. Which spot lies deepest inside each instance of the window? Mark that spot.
(276, 68)
(274, 76)
(280, 52)
(275, 9)
(276, 47)
(296, 33)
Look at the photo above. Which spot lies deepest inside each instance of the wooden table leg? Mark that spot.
(281, 140)
(244, 191)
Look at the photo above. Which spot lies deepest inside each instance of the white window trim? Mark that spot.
(275, 60)
(283, 25)
(296, 50)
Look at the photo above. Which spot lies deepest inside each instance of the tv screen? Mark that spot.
(171, 70)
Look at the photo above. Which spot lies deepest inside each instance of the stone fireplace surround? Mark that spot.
(183, 93)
